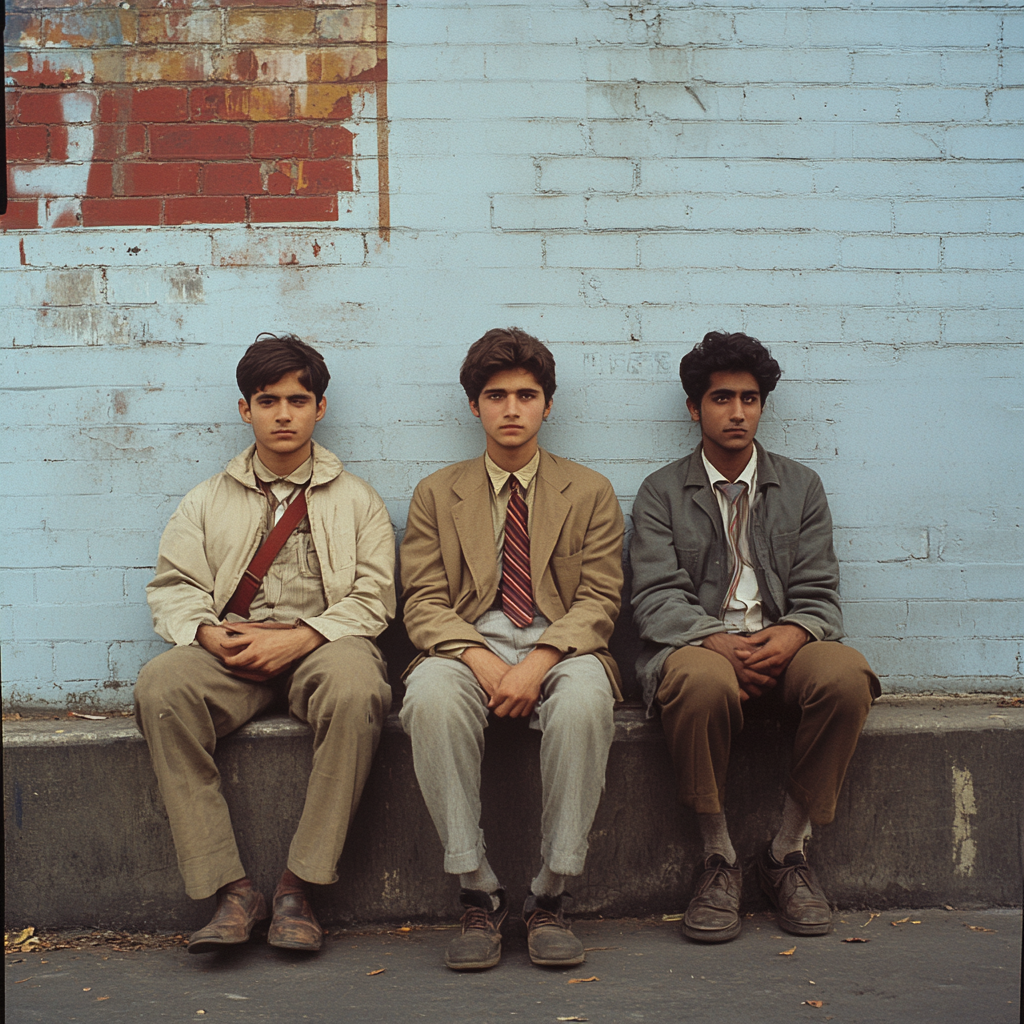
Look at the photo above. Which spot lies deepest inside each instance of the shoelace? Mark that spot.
(546, 918)
(476, 917)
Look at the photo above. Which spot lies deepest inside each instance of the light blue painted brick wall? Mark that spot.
(842, 181)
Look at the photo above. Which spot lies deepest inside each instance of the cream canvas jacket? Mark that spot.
(217, 528)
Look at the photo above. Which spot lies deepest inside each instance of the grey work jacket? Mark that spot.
(680, 557)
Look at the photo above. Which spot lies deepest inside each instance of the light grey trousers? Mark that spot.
(445, 714)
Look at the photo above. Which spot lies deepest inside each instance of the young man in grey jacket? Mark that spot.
(306, 635)
(736, 597)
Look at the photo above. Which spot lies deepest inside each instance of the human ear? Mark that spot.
(547, 408)
(321, 409)
(694, 410)
(474, 408)
(244, 411)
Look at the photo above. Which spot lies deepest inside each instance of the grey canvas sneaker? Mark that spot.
(478, 945)
(548, 935)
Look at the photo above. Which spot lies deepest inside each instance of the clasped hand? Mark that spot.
(513, 690)
(761, 658)
(258, 651)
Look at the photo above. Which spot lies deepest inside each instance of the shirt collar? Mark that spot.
(748, 476)
(499, 477)
(298, 476)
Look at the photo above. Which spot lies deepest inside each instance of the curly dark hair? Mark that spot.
(507, 348)
(719, 351)
(271, 356)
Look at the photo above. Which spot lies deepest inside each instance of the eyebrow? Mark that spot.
(505, 391)
(733, 391)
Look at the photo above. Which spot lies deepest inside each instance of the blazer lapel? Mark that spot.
(550, 510)
(474, 525)
(699, 487)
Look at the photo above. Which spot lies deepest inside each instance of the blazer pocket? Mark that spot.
(567, 570)
(309, 560)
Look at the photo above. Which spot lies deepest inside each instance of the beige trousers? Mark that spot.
(830, 684)
(185, 700)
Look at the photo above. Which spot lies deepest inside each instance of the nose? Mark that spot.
(737, 413)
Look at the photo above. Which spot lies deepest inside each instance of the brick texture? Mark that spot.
(202, 86)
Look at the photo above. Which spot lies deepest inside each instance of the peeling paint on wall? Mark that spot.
(119, 114)
(964, 848)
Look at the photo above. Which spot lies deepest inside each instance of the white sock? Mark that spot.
(483, 879)
(796, 827)
(548, 883)
(715, 833)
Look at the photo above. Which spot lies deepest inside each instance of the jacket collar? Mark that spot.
(475, 526)
(696, 475)
(326, 467)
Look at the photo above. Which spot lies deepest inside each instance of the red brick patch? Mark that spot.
(160, 105)
(20, 216)
(205, 210)
(28, 143)
(234, 179)
(107, 212)
(281, 209)
(208, 141)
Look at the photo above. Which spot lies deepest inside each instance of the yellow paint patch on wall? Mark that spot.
(965, 850)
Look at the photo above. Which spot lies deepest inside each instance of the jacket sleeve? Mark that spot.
(587, 625)
(812, 591)
(666, 608)
(369, 605)
(180, 595)
(430, 618)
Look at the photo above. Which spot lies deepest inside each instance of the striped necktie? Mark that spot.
(516, 591)
(736, 495)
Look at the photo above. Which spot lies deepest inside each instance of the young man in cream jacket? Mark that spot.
(306, 637)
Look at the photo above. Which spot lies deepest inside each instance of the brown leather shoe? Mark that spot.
(294, 926)
(478, 944)
(549, 936)
(237, 911)
(801, 904)
(714, 911)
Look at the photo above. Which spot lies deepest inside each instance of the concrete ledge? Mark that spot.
(931, 814)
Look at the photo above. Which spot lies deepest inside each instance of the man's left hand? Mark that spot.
(268, 648)
(774, 648)
(519, 689)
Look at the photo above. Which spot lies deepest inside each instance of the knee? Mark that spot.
(163, 682)
(713, 686)
(435, 692)
(844, 681)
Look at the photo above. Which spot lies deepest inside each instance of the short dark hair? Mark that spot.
(507, 348)
(719, 351)
(271, 356)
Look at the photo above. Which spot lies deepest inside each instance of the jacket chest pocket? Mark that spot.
(309, 560)
(782, 552)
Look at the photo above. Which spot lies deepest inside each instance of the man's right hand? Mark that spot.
(730, 646)
(210, 637)
(488, 668)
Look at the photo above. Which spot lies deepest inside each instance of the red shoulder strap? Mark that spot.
(251, 579)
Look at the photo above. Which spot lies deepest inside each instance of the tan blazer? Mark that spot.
(449, 562)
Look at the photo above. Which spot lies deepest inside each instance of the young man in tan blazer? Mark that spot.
(512, 575)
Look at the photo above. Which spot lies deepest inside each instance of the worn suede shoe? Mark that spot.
(714, 911)
(294, 926)
(548, 935)
(238, 909)
(801, 905)
(478, 945)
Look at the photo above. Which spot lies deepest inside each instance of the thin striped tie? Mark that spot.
(736, 495)
(516, 591)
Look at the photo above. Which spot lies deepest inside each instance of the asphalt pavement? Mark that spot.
(929, 966)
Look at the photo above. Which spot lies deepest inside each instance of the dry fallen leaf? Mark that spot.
(92, 718)
(946, 906)
(405, 929)
(99, 999)
(978, 928)
(788, 952)
(582, 981)
(813, 1002)
(23, 936)
(89, 989)
(671, 917)
(855, 939)
(902, 920)
(572, 1018)
(380, 970)
(591, 949)
(870, 919)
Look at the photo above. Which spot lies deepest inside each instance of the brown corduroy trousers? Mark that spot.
(831, 685)
(185, 700)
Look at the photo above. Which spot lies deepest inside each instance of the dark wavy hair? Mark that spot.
(719, 351)
(507, 348)
(271, 356)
